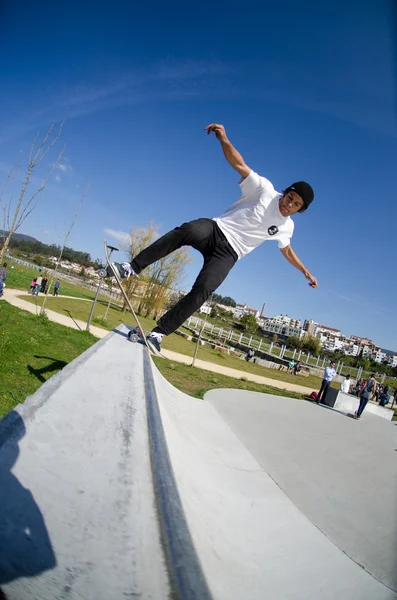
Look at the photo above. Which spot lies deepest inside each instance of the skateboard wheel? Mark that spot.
(102, 273)
(133, 336)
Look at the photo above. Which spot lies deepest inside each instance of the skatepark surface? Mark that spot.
(114, 484)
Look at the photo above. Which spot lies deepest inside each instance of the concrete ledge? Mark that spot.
(349, 404)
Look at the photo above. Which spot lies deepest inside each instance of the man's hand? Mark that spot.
(313, 281)
(292, 258)
(232, 156)
(219, 131)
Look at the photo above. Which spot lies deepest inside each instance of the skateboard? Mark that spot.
(137, 333)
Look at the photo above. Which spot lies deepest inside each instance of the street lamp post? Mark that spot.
(111, 248)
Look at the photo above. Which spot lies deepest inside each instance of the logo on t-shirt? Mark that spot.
(273, 229)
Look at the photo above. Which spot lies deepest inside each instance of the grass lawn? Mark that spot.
(20, 278)
(80, 310)
(197, 382)
(32, 349)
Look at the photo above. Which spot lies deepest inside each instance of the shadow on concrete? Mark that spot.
(73, 319)
(325, 406)
(56, 365)
(122, 333)
(25, 546)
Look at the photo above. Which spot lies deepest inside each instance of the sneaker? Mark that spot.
(124, 270)
(154, 340)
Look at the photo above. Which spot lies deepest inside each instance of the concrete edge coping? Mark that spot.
(186, 575)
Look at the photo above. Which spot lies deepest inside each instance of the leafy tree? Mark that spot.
(293, 341)
(227, 301)
(248, 322)
(217, 298)
(311, 344)
(214, 312)
(274, 338)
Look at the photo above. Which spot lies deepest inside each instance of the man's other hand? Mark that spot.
(219, 131)
(312, 280)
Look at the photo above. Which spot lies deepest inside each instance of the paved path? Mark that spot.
(236, 373)
(11, 296)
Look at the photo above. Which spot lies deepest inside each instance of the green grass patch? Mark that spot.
(32, 349)
(80, 310)
(77, 309)
(196, 382)
(20, 278)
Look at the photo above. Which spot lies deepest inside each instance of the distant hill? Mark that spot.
(18, 237)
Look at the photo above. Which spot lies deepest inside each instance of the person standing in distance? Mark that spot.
(329, 374)
(260, 214)
(369, 388)
(3, 272)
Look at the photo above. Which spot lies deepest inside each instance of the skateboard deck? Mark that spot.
(137, 333)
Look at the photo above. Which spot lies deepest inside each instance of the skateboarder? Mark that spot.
(260, 214)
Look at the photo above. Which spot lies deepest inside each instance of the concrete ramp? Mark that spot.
(113, 484)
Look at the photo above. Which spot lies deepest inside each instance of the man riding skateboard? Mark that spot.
(260, 214)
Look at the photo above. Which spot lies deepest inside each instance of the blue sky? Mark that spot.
(305, 91)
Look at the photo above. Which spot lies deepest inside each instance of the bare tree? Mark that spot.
(163, 277)
(139, 238)
(25, 206)
(51, 280)
(155, 285)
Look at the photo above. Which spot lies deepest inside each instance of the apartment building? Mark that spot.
(243, 309)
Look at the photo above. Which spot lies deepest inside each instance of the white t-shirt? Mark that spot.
(345, 387)
(255, 217)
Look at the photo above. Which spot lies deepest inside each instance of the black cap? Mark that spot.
(304, 190)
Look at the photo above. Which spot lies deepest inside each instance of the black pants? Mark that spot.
(219, 257)
(323, 390)
(363, 404)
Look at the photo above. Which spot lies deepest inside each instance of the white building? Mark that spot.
(351, 349)
(386, 357)
(243, 309)
(332, 343)
(271, 327)
(286, 320)
(327, 330)
(205, 309)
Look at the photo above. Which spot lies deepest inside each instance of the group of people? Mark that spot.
(365, 389)
(294, 367)
(40, 284)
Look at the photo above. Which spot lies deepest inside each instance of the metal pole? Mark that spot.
(198, 340)
(96, 297)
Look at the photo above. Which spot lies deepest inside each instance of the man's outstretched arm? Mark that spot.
(233, 157)
(298, 264)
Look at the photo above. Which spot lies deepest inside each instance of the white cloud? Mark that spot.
(57, 178)
(65, 166)
(122, 237)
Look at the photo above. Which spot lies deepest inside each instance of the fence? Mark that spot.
(225, 335)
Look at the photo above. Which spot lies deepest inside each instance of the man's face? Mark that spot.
(290, 203)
